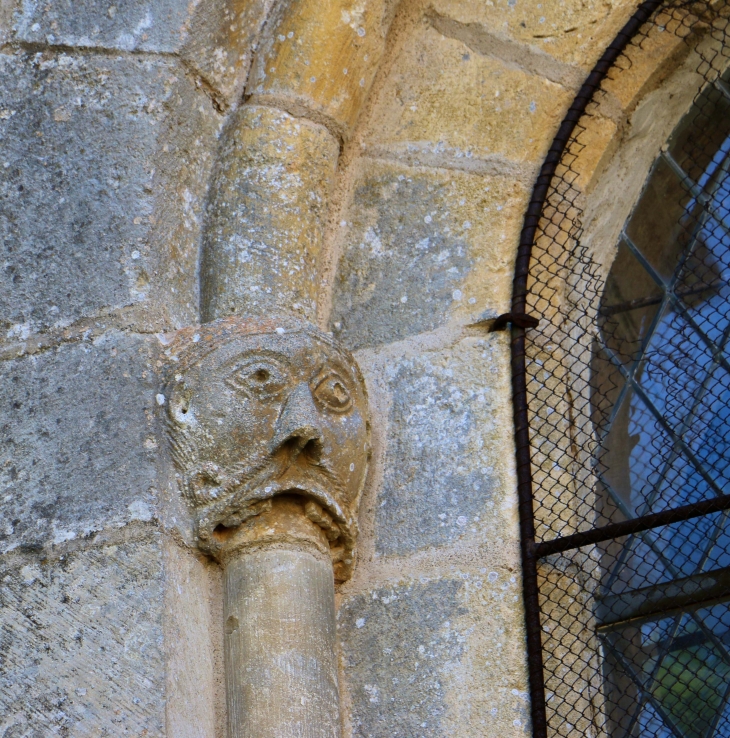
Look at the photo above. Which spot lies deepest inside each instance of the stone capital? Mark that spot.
(269, 432)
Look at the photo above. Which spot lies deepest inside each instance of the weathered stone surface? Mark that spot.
(7, 9)
(221, 41)
(399, 644)
(645, 66)
(437, 657)
(217, 37)
(78, 446)
(194, 694)
(81, 644)
(266, 215)
(573, 31)
(420, 247)
(104, 162)
(596, 144)
(280, 644)
(322, 57)
(142, 25)
(444, 99)
(448, 447)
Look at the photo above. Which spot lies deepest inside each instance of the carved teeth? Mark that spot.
(323, 519)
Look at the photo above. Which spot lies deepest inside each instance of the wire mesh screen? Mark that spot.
(628, 408)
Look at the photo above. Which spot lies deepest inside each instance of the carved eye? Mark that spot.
(260, 379)
(332, 392)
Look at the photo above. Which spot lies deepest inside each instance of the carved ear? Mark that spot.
(180, 407)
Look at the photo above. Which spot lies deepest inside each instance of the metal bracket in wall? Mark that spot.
(519, 319)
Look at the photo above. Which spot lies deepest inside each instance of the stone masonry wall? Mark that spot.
(429, 120)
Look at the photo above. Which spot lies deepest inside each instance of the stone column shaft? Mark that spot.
(280, 633)
(281, 668)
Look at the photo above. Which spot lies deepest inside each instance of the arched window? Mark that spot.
(622, 404)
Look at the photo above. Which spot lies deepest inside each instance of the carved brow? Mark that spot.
(263, 354)
(334, 366)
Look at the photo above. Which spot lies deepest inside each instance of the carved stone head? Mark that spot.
(262, 407)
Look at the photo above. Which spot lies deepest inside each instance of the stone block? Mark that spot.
(322, 58)
(220, 42)
(573, 31)
(448, 447)
(645, 66)
(7, 10)
(407, 228)
(436, 657)
(596, 144)
(399, 644)
(444, 99)
(266, 215)
(81, 644)
(195, 691)
(216, 37)
(104, 162)
(78, 446)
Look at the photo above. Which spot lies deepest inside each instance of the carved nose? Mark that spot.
(297, 429)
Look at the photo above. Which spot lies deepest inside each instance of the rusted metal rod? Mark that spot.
(519, 385)
(628, 527)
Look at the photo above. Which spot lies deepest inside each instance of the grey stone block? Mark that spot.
(399, 644)
(405, 257)
(216, 36)
(77, 448)
(104, 162)
(448, 440)
(81, 645)
(141, 25)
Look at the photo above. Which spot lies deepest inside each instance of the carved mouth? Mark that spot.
(224, 502)
(230, 501)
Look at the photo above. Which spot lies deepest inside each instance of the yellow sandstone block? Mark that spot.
(321, 58)
(572, 31)
(596, 145)
(645, 66)
(443, 98)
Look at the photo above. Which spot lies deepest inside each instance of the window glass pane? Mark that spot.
(708, 431)
(607, 382)
(702, 134)
(636, 452)
(664, 220)
(630, 303)
(639, 564)
(676, 363)
(685, 544)
(693, 677)
(719, 550)
(703, 284)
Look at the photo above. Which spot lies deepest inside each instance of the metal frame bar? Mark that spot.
(627, 527)
(638, 605)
